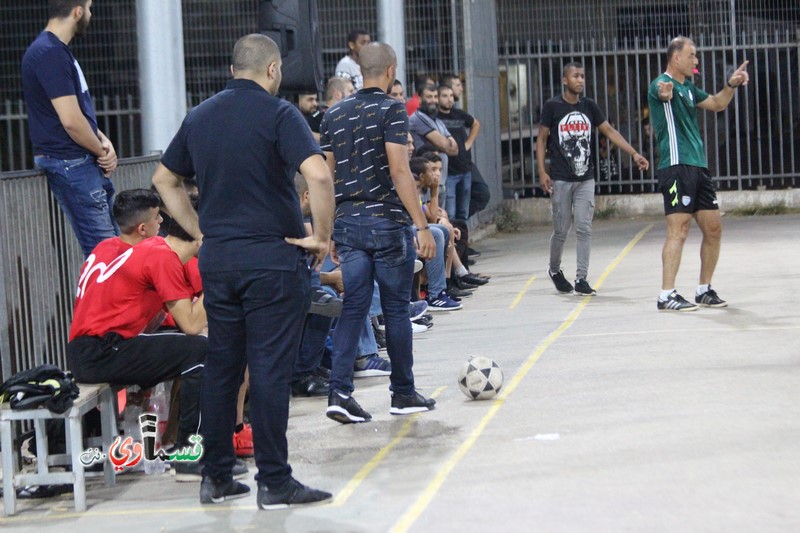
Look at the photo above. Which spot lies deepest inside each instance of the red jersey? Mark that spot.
(192, 271)
(412, 104)
(122, 287)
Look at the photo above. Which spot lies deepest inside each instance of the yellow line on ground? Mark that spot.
(362, 474)
(518, 299)
(414, 512)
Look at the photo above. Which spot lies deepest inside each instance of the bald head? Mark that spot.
(254, 53)
(677, 45)
(375, 58)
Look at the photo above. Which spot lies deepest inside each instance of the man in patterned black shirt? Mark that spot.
(364, 140)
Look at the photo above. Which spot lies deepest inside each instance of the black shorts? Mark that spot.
(686, 189)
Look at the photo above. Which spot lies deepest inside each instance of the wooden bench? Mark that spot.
(91, 396)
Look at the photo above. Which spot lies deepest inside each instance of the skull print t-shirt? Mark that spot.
(569, 145)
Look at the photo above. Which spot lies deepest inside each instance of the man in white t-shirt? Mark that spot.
(348, 66)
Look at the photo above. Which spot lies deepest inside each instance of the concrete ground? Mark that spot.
(614, 416)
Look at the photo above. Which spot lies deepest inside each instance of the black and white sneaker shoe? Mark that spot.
(294, 494)
(710, 299)
(345, 409)
(676, 302)
(561, 283)
(582, 288)
(406, 405)
(211, 492)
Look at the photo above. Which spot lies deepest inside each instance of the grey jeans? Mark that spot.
(572, 198)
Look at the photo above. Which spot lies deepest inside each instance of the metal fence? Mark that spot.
(39, 265)
(754, 143)
(108, 56)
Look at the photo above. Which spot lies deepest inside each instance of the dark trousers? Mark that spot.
(479, 193)
(145, 360)
(255, 318)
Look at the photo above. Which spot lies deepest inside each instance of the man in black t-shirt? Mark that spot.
(245, 146)
(573, 120)
(364, 140)
(459, 173)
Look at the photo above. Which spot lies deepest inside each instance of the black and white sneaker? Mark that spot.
(561, 283)
(345, 409)
(710, 299)
(582, 288)
(211, 492)
(406, 405)
(292, 495)
(676, 302)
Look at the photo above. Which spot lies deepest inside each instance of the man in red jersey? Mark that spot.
(125, 288)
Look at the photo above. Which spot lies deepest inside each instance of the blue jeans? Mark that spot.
(459, 190)
(374, 249)
(312, 345)
(367, 345)
(437, 278)
(255, 318)
(86, 197)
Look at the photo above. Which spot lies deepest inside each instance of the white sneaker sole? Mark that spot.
(341, 415)
(408, 410)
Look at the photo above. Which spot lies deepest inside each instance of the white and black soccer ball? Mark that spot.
(480, 378)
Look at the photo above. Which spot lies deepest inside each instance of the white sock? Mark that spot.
(702, 289)
(664, 296)
(462, 271)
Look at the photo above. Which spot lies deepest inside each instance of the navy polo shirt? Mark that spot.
(356, 130)
(244, 145)
(50, 71)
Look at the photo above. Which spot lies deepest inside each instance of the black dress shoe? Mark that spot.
(473, 279)
(471, 252)
(309, 386)
(463, 285)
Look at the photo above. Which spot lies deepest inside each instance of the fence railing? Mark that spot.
(753, 143)
(39, 265)
(118, 116)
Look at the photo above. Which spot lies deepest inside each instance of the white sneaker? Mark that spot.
(418, 328)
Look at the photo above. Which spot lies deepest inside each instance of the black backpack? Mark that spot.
(42, 386)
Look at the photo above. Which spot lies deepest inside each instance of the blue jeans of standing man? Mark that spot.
(373, 248)
(255, 318)
(85, 195)
(459, 190)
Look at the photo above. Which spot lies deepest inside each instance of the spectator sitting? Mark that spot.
(438, 298)
(124, 286)
(455, 269)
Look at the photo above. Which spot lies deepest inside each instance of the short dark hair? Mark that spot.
(427, 87)
(447, 78)
(59, 9)
(131, 207)
(354, 33)
(676, 45)
(571, 64)
(430, 155)
(171, 227)
(418, 165)
(420, 81)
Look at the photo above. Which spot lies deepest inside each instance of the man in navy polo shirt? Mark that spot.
(364, 139)
(76, 156)
(245, 145)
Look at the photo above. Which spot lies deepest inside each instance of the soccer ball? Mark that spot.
(480, 378)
